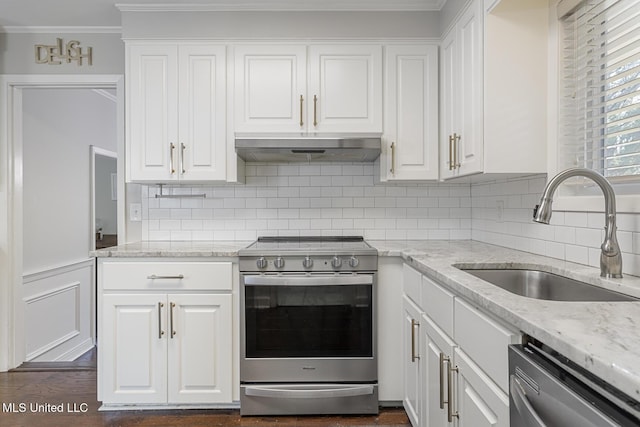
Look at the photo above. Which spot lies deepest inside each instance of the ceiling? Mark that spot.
(104, 13)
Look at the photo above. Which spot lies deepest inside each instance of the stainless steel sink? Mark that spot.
(547, 286)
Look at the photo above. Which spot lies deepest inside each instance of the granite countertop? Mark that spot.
(173, 249)
(603, 337)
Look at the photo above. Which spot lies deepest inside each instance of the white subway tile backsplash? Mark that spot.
(325, 199)
(572, 236)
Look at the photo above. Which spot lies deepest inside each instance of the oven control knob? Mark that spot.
(278, 262)
(307, 262)
(336, 262)
(353, 262)
(261, 263)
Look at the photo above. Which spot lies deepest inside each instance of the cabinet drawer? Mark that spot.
(438, 304)
(166, 276)
(411, 283)
(485, 341)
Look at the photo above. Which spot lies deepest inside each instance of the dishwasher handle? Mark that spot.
(522, 404)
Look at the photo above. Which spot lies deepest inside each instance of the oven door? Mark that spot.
(308, 328)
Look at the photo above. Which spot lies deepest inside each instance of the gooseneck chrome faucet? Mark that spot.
(610, 257)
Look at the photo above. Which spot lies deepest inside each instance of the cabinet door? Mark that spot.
(269, 84)
(470, 108)
(450, 72)
(411, 113)
(152, 105)
(202, 103)
(200, 349)
(480, 402)
(346, 81)
(435, 384)
(133, 357)
(411, 361)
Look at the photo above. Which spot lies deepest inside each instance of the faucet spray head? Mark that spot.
(542, 212)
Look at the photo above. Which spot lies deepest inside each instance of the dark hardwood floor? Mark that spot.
(30, 394)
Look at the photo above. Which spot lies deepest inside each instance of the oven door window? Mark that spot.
(309, 321)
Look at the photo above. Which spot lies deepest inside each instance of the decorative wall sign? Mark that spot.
(56, 54)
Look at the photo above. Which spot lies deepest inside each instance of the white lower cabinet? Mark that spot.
(479, 401)
(438, 355)
(164, 348)
(412, 369)
(458, 379)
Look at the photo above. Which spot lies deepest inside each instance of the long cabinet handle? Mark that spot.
(450, 413)
(160, 331)
(172, 148)
(443, 359)
(171, 307)
(393, 158)
(301, 109)
(456, 143)
(177, 277)
(182, 147)
(451, 162)
(414, 324)
(315, 110)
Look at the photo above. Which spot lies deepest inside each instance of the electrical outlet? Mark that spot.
(135, 212)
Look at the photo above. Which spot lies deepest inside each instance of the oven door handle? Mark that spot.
(361, 279)
(301, 393)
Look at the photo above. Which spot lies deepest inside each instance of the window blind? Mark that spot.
(600, 88)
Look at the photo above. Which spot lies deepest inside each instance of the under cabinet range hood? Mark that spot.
(325, 148)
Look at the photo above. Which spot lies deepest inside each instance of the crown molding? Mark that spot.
(61, 30)
(289, 5)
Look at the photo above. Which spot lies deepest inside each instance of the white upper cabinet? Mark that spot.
(494, 103)
(176, 112)
(411, 113)
(345, 88)
(461, 149)
(270, 88)
(309, 89)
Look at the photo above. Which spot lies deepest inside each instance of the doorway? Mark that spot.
(22, 280)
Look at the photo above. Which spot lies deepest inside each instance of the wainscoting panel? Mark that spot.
(59, 312)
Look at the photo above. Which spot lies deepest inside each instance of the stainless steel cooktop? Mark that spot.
(308, 253)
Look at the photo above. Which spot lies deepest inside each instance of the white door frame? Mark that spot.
(12, 328)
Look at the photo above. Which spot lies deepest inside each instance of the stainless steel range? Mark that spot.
(308, 336)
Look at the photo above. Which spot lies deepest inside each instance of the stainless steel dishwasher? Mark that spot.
(548, 390)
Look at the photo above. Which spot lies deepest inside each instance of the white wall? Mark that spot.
(571, 236)
(282, 24)
(303, 199)
(59, 125)
(17, 53)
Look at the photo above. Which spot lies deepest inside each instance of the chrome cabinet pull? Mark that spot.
(172, 147)
(315, 108)
(450, 413)
(154, 277)
(414, 357)
(160, 331)
(443, 358)
(182, 147)
(393, 158)
(172, 306)
(301, 104)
